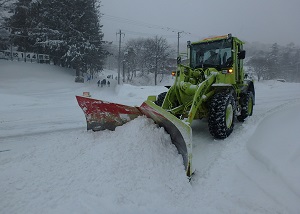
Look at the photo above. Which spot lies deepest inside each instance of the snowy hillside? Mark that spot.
(49, 163)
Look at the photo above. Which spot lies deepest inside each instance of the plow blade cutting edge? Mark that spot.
(101, 115)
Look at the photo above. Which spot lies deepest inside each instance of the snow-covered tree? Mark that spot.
(69, 31)
(279, 62)
(273, 60)
(20, 25)
(260, 65)
(151, 54)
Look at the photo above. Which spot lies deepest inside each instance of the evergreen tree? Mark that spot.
(286, 61)
(4, 31)
(260, 65)
(69, 31)
(273, 60)
(20, 24)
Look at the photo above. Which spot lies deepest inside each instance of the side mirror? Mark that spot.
(242, 54)
(178, 60)
(188, 44)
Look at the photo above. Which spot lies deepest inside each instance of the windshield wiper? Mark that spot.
(205, 65)
(199, 66)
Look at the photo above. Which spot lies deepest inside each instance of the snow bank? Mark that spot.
(134, 168)
(49, 163)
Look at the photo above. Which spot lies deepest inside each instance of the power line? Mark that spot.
(180, 33)
(140, 23)
(147, 34)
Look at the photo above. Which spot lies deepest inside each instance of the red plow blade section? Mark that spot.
(101, 115)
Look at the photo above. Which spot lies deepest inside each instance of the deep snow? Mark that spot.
(49, 163)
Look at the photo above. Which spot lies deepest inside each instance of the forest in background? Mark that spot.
(70, 32)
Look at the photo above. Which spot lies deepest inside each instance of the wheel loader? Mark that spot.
(212, 85)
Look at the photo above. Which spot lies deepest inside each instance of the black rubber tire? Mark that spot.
(246, 106)
(221, 115)
(160, 98)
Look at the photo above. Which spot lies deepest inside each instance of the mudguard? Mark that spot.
(101, 115)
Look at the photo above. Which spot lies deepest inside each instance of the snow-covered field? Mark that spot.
(49, 163)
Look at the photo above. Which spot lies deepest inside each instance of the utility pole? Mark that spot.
(119, 57)
(298, 70)
(11, 44)
(156, 60)
(178, 36)
(11, 52)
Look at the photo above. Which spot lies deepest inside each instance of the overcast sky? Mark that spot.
(267, 21)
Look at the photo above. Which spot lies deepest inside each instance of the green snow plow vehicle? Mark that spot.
(212, 86)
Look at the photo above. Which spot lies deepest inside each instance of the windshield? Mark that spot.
(211, 54)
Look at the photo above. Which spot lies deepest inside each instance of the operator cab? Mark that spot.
(216, 53)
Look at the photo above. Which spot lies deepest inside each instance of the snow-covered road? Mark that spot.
(49, 163)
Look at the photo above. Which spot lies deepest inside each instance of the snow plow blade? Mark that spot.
(101, 115)
(180, 132)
